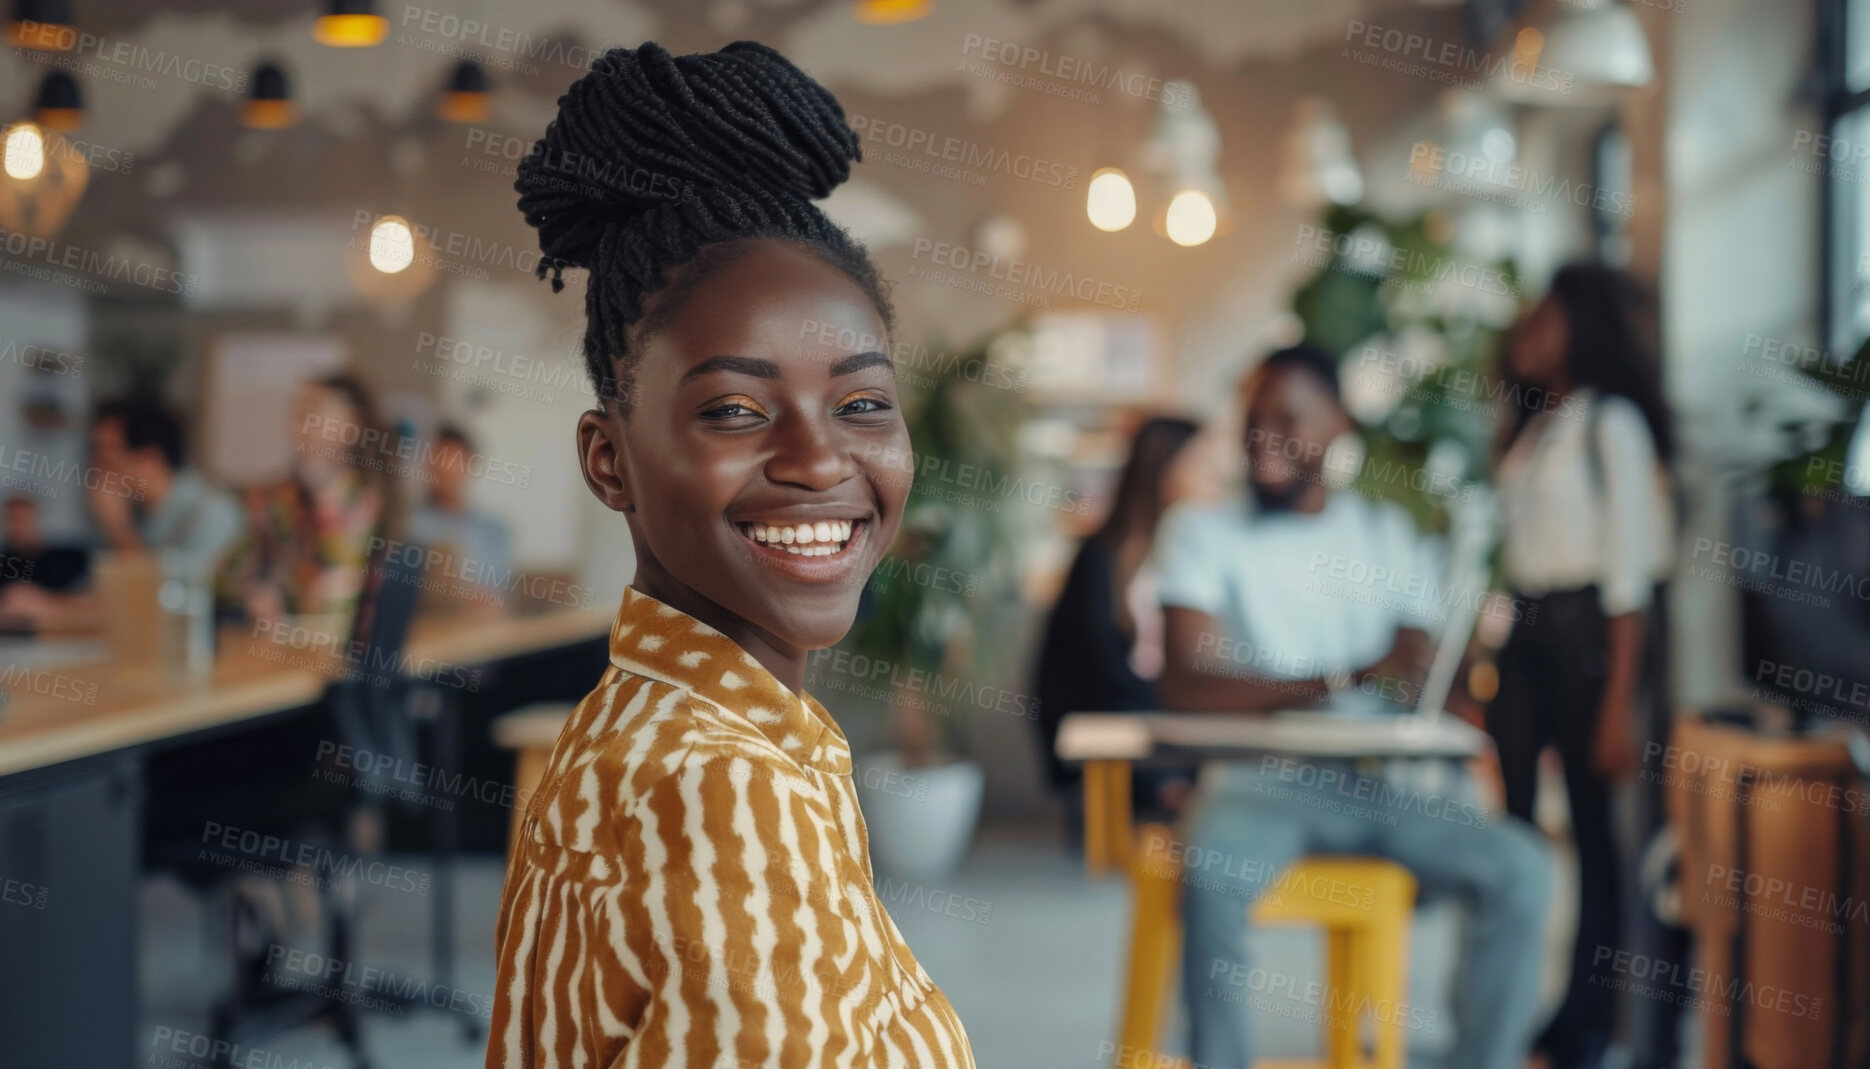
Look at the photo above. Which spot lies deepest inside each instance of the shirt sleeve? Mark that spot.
(751, 949)
(1187, 562)
(1629, 505)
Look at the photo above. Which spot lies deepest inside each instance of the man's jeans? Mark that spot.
(1251, 821)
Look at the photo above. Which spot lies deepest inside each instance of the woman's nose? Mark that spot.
(808, 453)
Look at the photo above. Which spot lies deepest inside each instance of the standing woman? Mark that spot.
(691, 884)
(1584, 482)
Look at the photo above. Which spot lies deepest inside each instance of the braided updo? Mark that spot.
(660, 169)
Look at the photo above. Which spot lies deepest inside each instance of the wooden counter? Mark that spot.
(62, 712)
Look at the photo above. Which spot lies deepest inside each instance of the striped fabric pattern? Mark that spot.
(692, 887)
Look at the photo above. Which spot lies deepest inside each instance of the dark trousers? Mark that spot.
(1551, 680)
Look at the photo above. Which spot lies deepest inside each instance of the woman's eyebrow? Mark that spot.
(858, 361)
(745, 365)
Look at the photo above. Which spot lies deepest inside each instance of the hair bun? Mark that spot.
(645, 131)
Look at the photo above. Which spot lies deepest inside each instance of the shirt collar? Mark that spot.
(662, 642)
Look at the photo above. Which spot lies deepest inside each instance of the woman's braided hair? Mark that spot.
(660, 169)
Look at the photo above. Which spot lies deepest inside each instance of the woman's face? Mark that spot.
(765, 460)
(1538, 345)
(330, 433)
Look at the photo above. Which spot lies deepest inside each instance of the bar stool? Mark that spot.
(1366, 950)
(531, 731)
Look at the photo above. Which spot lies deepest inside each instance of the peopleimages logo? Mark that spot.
(1445, 61)
(1027, 275)
(400, 453)
(924, 681)
(1072, 70)
(78, 44)
(97, 265)
(962, 153)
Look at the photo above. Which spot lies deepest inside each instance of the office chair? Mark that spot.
(259, 779)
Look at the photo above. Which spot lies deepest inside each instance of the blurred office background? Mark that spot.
(1091, 213)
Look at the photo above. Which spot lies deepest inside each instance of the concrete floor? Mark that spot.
(1036, 983)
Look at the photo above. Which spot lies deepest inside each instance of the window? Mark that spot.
(1845, 159)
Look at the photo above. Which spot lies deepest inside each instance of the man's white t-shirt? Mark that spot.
(1300, 595)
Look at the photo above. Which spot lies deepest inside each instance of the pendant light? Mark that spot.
(891, 12)
(59, 106)
(1110, 199)
(350, 24)
(1585, 56)
(269, 104)
(392, 244)
(24, 151)
(468, 97)
(42, 24)
(1183, 153)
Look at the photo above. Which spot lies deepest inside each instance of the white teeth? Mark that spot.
(821, 539)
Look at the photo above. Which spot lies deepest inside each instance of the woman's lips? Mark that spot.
(810, 558)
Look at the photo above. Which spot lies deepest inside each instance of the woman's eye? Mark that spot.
(730, 410)
(860, 406)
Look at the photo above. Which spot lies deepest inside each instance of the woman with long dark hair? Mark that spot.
(1583, 473)
(310, 538)
(1103, 644)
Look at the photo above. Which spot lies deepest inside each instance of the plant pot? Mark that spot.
(920, 819)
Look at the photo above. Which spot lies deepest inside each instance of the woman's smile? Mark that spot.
(816, 548)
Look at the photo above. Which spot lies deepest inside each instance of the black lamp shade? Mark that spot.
(59, 105)
(52, 12)
(269, 83)
(41, 24)
(467, 98)
(350, 7)
(468, 78)
(59, 90)
(269, 103)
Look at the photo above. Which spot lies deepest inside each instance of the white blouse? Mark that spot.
(1569, 526)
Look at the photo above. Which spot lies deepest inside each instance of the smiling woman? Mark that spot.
(692, 882)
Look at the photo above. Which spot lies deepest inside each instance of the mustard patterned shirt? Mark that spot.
(692, 885)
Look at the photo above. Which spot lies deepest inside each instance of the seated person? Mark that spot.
(477, 543)
(1253, 625)
(150, 502)
(310, 540)
(26, 558)
(1102, 649)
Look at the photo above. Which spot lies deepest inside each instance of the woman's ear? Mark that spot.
(601, 456)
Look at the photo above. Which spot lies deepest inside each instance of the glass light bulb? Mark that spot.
(25, 151)
(1110, 200)
(1191, 219)
(392, 245)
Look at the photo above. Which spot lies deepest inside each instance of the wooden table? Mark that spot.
(1109, 744)
(73, 736)
(43, 724)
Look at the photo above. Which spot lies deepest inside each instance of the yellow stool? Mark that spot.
(1365, 906)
